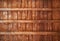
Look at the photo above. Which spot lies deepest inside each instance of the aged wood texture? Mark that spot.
(29, 20)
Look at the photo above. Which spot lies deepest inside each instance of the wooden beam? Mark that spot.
(30, 21)
(29, 33)
(18, 9)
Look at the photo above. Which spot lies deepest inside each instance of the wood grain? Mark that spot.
(29, 20)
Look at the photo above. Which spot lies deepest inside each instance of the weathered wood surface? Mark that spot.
(29, 20)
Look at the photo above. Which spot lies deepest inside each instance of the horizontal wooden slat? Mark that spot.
(30, 21)
(10, 9)
(29, 33)
(24, 9)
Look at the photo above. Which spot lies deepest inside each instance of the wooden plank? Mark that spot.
(8, 9)
(30, 21)
(29, 33)
(18, 9)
